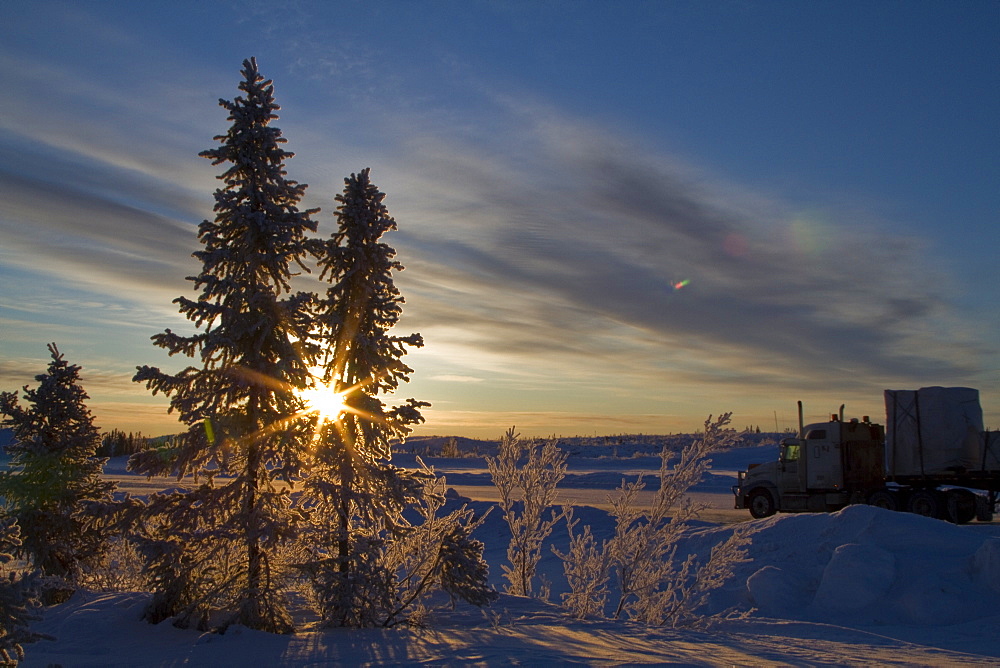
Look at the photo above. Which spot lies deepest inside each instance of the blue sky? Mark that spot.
(614, 216)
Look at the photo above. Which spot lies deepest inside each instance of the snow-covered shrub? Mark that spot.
(586, 567)
(651, 583)
(355, 591)
(450, 449)
(355, 510)
(684, 588)
(191, 573)
(119, 568)
(529, 473)
(441, 551)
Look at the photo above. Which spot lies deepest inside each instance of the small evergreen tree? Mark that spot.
(54, 481)
(217, 547)
(18, 598)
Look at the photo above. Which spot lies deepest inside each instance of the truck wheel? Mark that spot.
(760, 503)
(925, 502)
(883, 498)
(961, 506)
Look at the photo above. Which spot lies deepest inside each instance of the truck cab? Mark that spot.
(826, 467)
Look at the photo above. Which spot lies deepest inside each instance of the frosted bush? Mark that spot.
(586, 567)
(118, 569)
(450, 449)
(640, 559)
(532, 472)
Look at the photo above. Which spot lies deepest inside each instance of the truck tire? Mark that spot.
(883, 498)
(761, 504)
(960, 506)
(925, 502)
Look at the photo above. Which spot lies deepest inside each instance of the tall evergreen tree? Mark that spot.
(216, 548)
(370, 564)
(353, 487)
(54, 474)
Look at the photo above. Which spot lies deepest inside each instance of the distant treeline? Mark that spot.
(113, 443)
(116, 443)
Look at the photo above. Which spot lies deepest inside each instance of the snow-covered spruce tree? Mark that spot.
(532, 472)
(54, 484)
(652, 585)
(18, 598)
(215, 549)
(360, 574)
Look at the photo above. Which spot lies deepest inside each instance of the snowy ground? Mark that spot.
(860, 587)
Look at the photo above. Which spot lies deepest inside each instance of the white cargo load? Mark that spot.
(933, 430)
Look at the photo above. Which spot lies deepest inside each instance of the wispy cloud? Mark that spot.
(454, 378)
(100, 185)
(84, 238)
(567, 252)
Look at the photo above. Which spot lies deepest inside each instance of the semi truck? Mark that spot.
(932, 458)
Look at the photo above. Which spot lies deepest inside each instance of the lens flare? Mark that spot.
(680, 284)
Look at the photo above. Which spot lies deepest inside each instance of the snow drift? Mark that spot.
(864, 582)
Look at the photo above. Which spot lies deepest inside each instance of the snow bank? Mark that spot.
(860, 567)
(869, 566)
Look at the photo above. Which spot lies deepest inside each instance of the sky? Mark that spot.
(614, 217)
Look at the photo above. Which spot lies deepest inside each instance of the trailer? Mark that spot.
(932, 458)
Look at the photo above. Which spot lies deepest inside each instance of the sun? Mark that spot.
(324, 401)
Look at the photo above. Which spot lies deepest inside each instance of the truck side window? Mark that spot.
(818, 434)
(791, 453)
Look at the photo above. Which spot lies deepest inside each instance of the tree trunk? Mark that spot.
(346, 491)
(252, 605)
(252, 527)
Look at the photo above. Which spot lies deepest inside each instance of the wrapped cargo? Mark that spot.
(990, 460)
(933, 430)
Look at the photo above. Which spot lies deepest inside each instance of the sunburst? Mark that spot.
(325, 401)
(325, 404)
